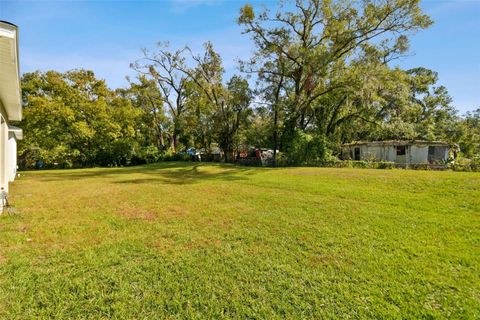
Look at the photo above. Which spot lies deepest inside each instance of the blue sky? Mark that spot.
(105, 36)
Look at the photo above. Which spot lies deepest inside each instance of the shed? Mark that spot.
(398, 151)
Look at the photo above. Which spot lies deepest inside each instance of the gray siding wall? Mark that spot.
(414, 154)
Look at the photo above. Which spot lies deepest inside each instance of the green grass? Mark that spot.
(178, 240)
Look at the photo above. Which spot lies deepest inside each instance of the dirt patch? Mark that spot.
(174, 211)
(163, 244)
(151, 214)
(137, 213)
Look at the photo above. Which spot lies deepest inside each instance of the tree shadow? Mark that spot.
(190, 175)
(163, 172)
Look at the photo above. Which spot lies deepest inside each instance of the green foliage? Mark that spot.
(323, 77)
(467, 134)
(73, 119)
(306, 148)
(323, 67)
(148, 154)
(162, 74)
(361, 164)
(465, 164)
(259, 130)
(153, 124)
(170, 155)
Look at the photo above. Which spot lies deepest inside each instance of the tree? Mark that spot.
(199, 118)
(469, 137)
(165, 68)
(147, 97)
(73, 119)
(311, 51)
(228, 105)
(233, 114)
(433, 115)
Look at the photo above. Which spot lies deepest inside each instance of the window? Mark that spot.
(401, 150)
(431, 154)
(357, 154)
(437, 154)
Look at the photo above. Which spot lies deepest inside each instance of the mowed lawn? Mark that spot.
(183, 240)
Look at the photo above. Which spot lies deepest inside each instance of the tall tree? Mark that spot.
(146, 96)
(165, 67)
(233, 114)
(230, 103)
(73, 119)
(316, 44)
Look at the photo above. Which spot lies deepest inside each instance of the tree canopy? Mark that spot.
(322, 73)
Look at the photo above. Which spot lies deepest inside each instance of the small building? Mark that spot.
(10, 103)
(398, 151)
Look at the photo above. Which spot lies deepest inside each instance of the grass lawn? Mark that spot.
(180, 240)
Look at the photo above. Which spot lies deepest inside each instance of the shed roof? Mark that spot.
(398, 143)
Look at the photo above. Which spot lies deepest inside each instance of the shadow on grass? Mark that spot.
(164, 172)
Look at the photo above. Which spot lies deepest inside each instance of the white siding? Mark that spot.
(3, 153)
(391, 153)
(11, 160)
(378, 153)
(414, 153)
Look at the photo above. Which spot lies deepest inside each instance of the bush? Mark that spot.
(148, 154)
(421, 166)
(306, 148)
(385, 165)
(174, 156)
(250, 162)
(359, 164)
(59, 157)
(465, 164)
(333, 162)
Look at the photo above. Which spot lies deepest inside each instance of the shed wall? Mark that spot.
(418, 154)
(414, 153)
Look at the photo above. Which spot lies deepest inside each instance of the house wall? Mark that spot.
(10, 99)
(11, 161)
(3, 153)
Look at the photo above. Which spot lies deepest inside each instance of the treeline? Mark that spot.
(321, 75)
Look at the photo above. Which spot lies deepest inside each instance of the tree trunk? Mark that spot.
(275, 135)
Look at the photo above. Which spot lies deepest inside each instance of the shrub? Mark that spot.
(465, 164)
(385, 165)
(169, 155)
(250, 162)
(149, 154)
(419, 166)
(306, 148)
